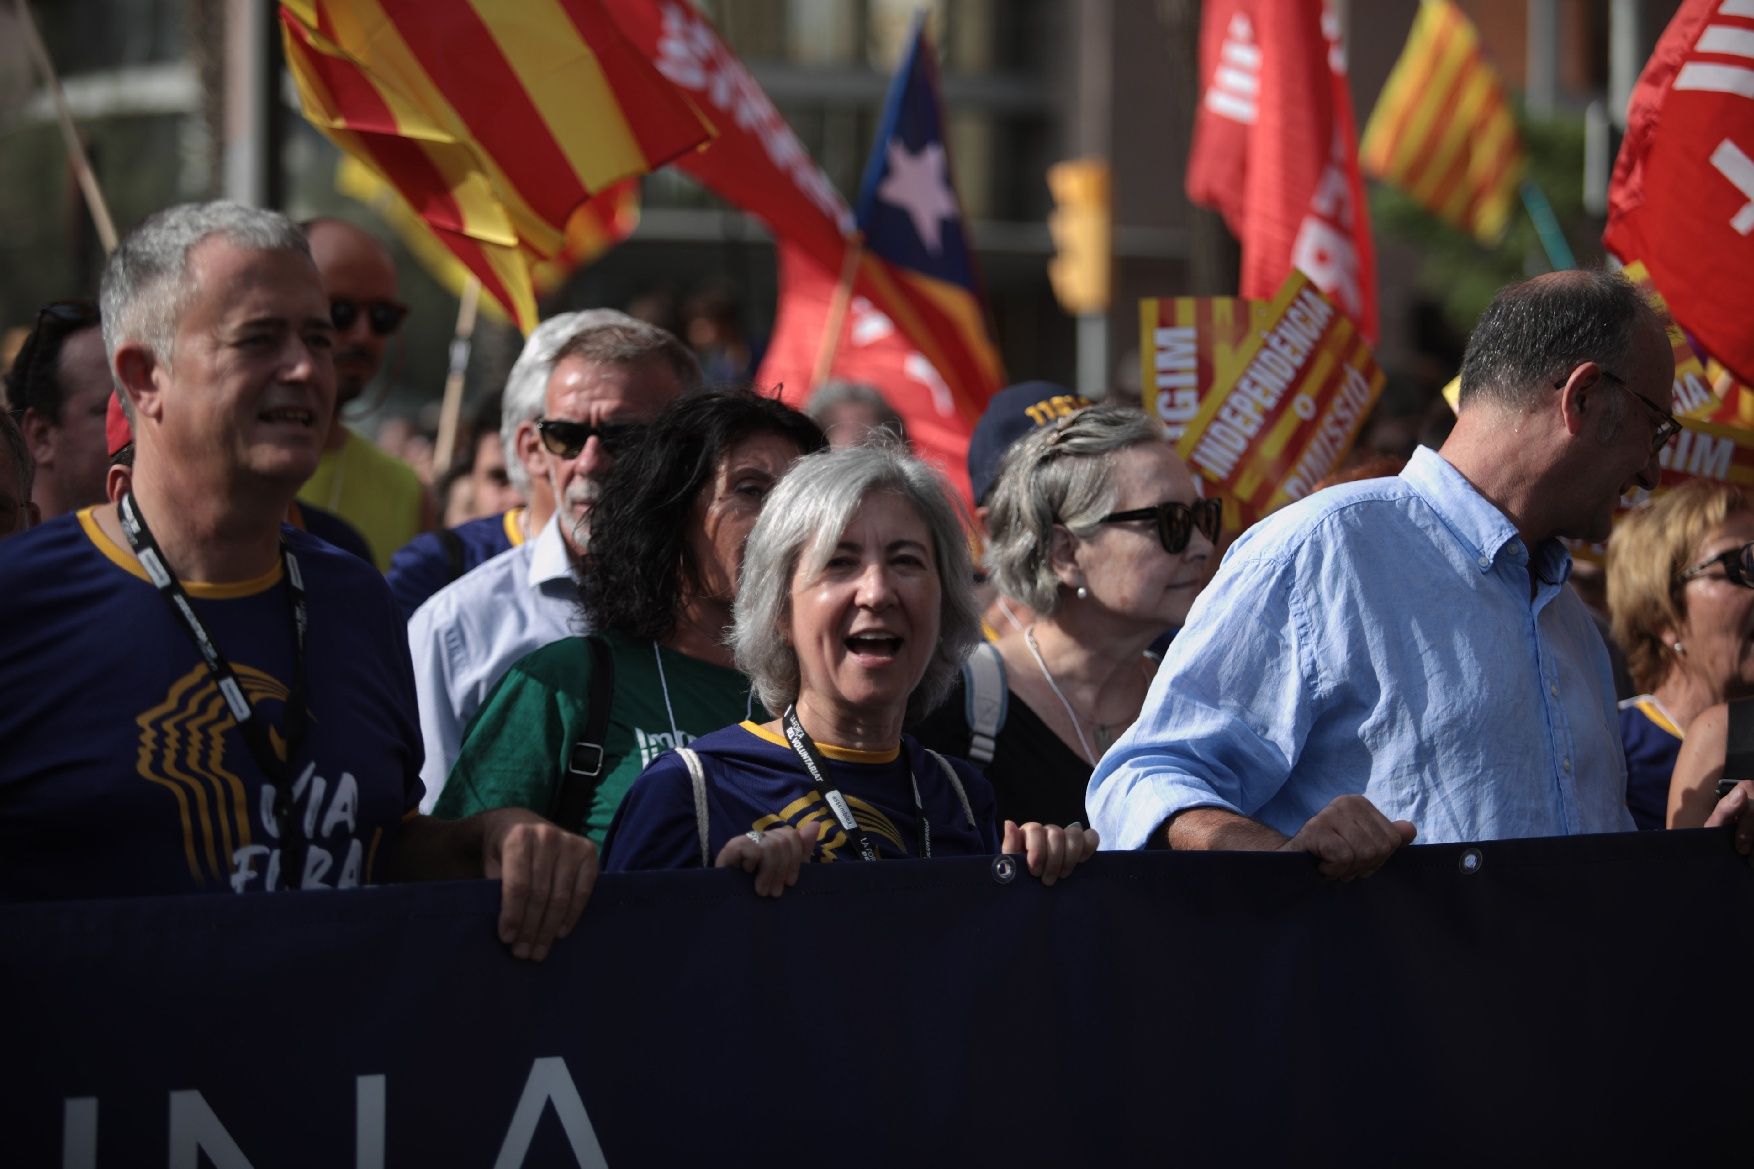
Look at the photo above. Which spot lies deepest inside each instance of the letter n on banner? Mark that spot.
(1289, 409)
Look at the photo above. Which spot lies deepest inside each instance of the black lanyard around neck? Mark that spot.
(151, 558)
(807, 752)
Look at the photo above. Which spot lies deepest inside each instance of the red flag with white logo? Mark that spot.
(1682, 198)
(1276, 151)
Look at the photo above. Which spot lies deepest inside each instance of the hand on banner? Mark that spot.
(1051, 852)
(1737, 808)
(1350, 838)
(774, 856)
(546, 875)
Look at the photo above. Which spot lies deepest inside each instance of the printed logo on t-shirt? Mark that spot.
(229, 836)
(654, 743)
(831, 838)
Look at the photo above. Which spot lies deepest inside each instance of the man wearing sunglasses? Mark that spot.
(608, 375)
(1402, 655)
(58, 390)
(374, 491)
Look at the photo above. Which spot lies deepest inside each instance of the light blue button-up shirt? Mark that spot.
(469, 633)
(1379, 638)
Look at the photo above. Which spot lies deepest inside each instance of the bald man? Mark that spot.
(375, 492)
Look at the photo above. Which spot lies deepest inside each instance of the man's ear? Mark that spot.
(528, 444)
(1579, 393)
(136, 371)
(38, 436)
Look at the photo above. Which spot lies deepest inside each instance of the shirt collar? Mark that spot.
(1475, 521)
(550, 559)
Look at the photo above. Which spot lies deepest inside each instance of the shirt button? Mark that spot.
(1554, 690)
(1566, 764)
(1485, 562)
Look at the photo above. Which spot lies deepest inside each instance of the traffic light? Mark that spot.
(1079, 224)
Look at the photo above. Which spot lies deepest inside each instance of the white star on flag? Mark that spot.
(916, 184)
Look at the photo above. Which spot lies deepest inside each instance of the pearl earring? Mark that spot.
(1083, 593)
(1679, 648)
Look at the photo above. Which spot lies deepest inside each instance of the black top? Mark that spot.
(1035, 775)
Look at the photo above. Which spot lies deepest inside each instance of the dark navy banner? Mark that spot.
(1539, 1002)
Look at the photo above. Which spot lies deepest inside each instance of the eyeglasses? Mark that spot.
(565, 439)
(1176, 522)
(1738, 566)
(1666, 425)
(384, 316)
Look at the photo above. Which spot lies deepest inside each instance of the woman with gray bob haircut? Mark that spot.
(853, 613)
(1097, 527)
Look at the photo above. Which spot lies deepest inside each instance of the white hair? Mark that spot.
(800, 524)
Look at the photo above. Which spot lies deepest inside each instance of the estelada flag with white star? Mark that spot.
(915, 235)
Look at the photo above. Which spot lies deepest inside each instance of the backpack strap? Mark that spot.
(984, 697)
(697, 779)
(588, 760)
(955, 785)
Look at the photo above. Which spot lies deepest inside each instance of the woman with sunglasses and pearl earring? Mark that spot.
(1098, 528)
(1682, 597)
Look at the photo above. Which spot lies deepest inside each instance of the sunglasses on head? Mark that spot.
(1738, 566)
(384, 316)
(1176, 522)
(56, 321)
(565, 439)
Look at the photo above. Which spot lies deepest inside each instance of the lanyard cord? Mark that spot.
(147, 551)
(807, 752)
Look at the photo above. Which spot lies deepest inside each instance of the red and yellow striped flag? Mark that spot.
(1442, 130)
(494, 119)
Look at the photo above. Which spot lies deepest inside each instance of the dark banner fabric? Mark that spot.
(1528, 1002)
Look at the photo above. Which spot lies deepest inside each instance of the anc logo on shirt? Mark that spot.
(810, 808)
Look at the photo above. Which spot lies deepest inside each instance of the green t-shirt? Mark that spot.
(517, 748)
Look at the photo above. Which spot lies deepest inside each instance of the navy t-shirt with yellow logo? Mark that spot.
(755, 781)
(122, 771)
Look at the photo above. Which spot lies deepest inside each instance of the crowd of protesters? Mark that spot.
(664, 618)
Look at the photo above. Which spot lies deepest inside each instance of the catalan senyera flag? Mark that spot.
(1288, 406)
(594, 227)
(494, 119)
(1443, 130)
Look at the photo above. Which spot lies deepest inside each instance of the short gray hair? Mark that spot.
(1537, 331)
(146, 283)
(1056, 474)
(526, 387)
(23, 466)
(800, 524)
(841, 393)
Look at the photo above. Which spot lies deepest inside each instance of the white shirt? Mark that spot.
(469, 633)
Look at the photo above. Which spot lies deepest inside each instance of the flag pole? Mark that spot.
(451, 411)
(87, 178)
(837, 311)
(1547, 227)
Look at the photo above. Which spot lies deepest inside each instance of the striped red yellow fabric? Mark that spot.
(594, 227)
(1443, 131)
(494, 119)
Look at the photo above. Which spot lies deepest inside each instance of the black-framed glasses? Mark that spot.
(565, 439)
(1738, 566)
(384, 316)
(1176, 522)
(1667, 426)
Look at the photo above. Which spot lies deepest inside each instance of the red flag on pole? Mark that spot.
(1682, 197)
(1276, 150)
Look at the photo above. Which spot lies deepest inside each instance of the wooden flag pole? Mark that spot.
(837, 311)
(452, 410)
(94, 196)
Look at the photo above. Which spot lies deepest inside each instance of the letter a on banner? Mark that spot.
(550, 1082)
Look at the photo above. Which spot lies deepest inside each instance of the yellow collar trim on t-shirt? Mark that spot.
(124, 559)
(1651, 709)
(514, 524)
(843, 754)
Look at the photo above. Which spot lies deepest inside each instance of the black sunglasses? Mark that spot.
(1176, 522)
(384, 316)
(56, 321)
(566, 439)
(1665, 425)
(1738, 566)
